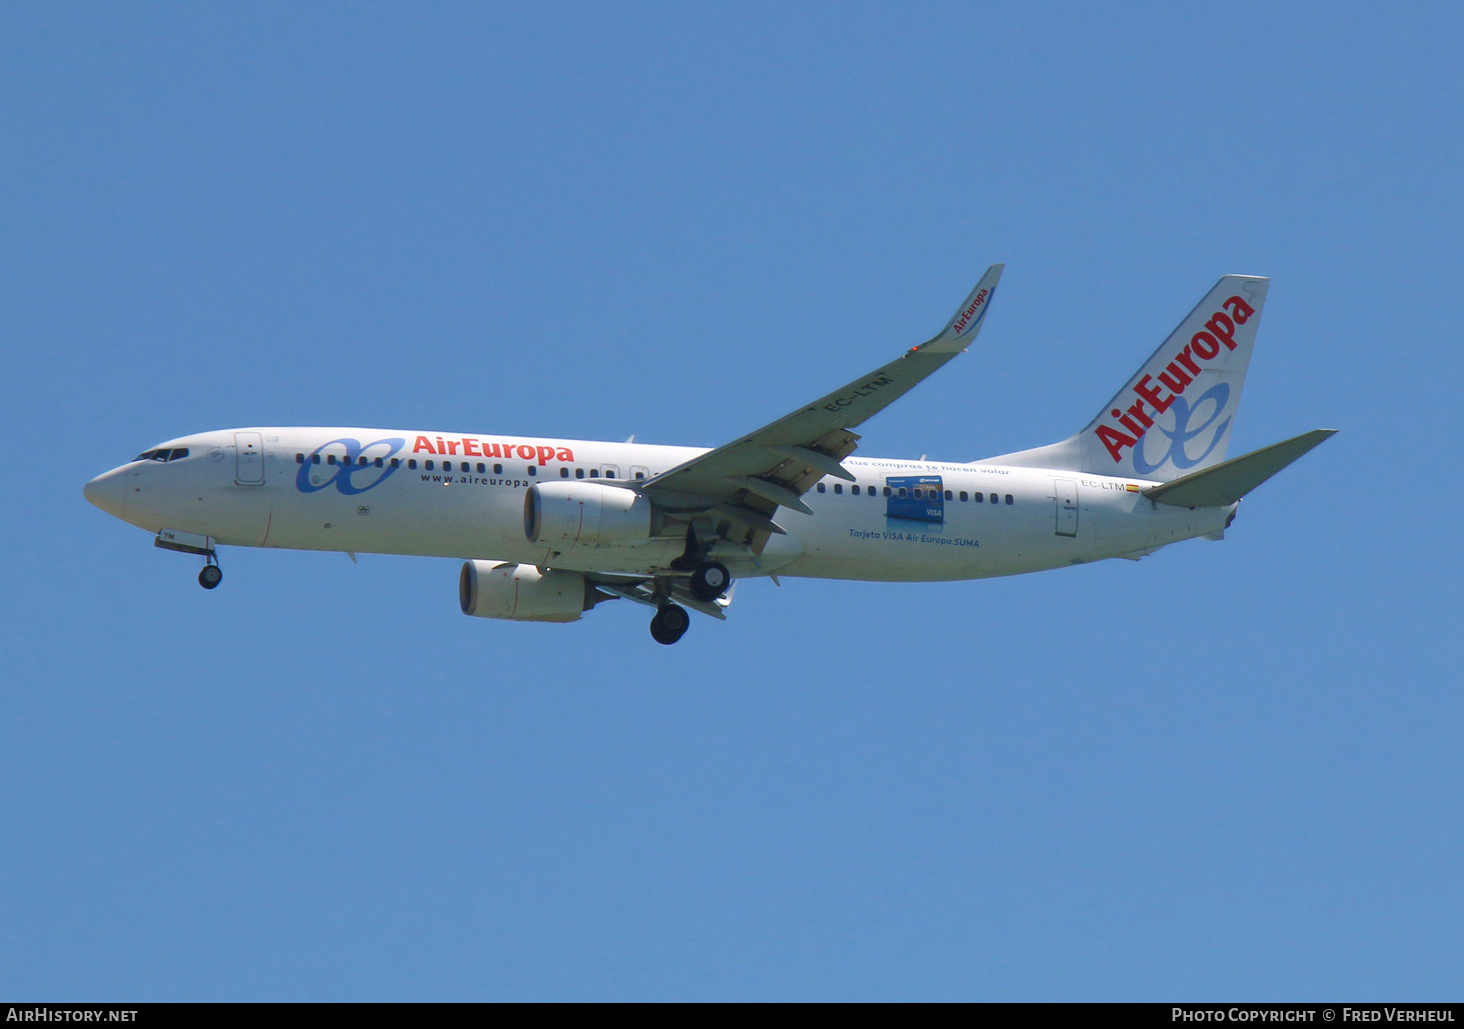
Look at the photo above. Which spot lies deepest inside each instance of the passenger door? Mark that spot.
(249, 451)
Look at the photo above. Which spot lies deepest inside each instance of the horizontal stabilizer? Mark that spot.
(1228, 481)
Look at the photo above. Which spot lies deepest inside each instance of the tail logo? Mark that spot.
(1182, 370)
(1181, 434)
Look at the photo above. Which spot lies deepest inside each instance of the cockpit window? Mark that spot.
(162, 454)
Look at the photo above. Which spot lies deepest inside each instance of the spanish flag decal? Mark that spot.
(1131, 487)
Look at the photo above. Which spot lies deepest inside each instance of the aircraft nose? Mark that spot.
(107, 491)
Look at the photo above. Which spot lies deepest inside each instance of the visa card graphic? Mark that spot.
(918, 497)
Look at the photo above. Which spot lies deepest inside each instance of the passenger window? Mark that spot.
(594, 473)
(533, 470)
(994, 498)
(948, 495)
(563, 472)
(610, 471)
(427, 465)
(854, 490)
(821, 487)
(980, 498)
(637, 473)
(482, 467)
(498, 469)
(901, 491)
(299, 458)
(362, 459)
(579, 473)
(887, 491)
(330, 459)
(963, 496)
(411, 462)
(838, 487)
(1009, 499)
(396, 462)
(379, 462)
(315, 459)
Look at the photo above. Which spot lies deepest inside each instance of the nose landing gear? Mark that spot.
(192, 543)
(212, 574)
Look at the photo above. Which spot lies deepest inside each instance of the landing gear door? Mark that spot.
(1065, 492)
(249, 447)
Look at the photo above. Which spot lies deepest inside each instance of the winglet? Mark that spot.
(966, 322)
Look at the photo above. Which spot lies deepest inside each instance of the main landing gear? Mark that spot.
(211, 575)
(670, 623)
(710, 581)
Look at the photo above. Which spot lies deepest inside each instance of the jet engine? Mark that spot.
(522, 593)
(585, 514)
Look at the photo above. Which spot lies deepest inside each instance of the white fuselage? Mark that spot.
(290, 488)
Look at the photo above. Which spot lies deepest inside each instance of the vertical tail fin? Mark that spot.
(1175, 414)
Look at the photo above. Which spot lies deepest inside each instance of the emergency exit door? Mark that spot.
(1065, 493)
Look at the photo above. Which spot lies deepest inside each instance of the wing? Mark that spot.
(734, 491)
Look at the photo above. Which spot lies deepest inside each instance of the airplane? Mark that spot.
(550, 528)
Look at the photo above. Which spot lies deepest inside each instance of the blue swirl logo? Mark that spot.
(1181, 434)
(357, 464)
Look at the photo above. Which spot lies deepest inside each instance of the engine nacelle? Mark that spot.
(585, 514)
(522, 593)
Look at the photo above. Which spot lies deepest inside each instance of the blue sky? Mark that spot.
(1228, 771)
